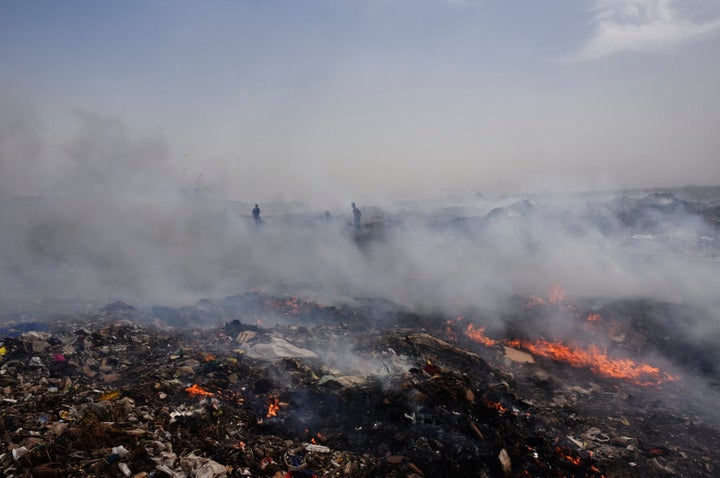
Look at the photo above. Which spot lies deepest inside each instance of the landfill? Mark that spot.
(283, 387)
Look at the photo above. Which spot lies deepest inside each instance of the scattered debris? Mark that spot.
(327, 391)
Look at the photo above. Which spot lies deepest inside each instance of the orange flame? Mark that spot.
(196, 391)
(273, 408)
(497, 406)
(478, 335)
(594, 318)
(597, 361)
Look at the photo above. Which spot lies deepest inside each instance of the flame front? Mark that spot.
(478, 335)
(596, 360)
(591, 357)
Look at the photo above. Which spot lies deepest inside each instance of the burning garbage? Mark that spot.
(450, 397)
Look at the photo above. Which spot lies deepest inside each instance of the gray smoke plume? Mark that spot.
(114, 218)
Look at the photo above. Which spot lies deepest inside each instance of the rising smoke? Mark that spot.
(108, 216)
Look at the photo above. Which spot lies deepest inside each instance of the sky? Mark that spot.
(326, 101)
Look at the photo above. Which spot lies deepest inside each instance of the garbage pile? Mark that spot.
(260, 386)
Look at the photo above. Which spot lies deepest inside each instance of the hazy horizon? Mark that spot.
(374, 100)
(111, 110)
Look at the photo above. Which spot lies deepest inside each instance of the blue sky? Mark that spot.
(324, 100)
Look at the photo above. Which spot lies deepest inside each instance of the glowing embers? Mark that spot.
(449, 331)
(293, 306)
(596, 360)
(557, 297)
(567, 455)
(556, 294)
(594, 318)
(273, 408)
(496, 405)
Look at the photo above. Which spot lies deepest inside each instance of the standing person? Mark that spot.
(256, 214)
(356, 216)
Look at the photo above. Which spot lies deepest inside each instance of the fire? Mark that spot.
(575, 460)
(273, 408)
(478, 335)
(196, 391)
(556, 294)
(291, 306)
(229, 395)
(535, 301)
(293, 303)
(497, 406)
(596, 360)
(448, 329)
(592, 357)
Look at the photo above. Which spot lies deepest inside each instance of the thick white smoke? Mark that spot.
(116, 220)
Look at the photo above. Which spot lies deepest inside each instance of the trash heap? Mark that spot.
(279, 387)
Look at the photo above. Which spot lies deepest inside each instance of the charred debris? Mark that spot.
(266, 386)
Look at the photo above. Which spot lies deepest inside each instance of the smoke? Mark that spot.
(21, 148)
(116, 221)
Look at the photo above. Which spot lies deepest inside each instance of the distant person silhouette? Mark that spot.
(356, 216)
(256, 214)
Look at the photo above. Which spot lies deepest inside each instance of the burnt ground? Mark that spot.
(366, 389)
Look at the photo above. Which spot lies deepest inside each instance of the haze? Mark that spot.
(136, 136)
(328, 101)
